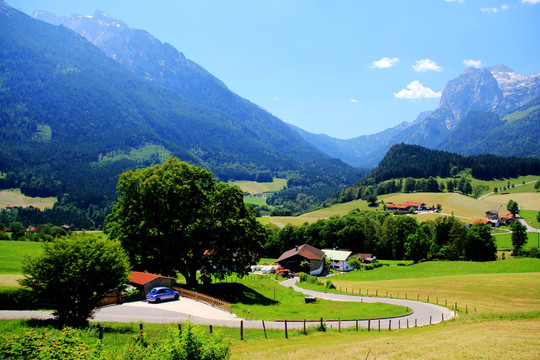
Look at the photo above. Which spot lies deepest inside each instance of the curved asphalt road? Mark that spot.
(199, 313)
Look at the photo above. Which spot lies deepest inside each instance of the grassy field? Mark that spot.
(15, 198)
(474, 339)
(281, 221)
(504, 241)
(263, 298)
(499, 287)
(12, 253)
(530, 217)
(253, 187)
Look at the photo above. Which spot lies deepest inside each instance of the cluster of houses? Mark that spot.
(292, 259)
(408, 207)
(495, 220)
(11, 207)
(260, 196)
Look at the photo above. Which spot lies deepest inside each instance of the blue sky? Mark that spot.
(344, 68)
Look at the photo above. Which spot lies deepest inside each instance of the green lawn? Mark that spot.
(263, 298)
(530, 217)
(504, 241)
(443, 268)
(12, 253)
(255, 201)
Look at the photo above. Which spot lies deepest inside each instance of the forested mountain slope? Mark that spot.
(70, 117)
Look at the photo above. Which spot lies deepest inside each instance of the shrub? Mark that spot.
(329, 285)
(310, 279)
(18, 299)
(48, 344)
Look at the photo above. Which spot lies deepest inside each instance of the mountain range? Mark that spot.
(491, 110)
(73, 118)
(464, 121)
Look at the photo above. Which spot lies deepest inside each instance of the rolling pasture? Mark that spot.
(15, 198)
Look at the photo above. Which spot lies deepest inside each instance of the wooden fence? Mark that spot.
(204, 298)
(111, 298)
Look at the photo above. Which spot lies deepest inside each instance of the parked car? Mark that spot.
(159, 294)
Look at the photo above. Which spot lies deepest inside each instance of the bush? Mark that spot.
(531, 253)
(48, 344)
(329, 285)
(18, 299)
(310, 279)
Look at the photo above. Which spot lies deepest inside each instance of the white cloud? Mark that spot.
(530, 2)
(275, 98)
(453, 0)
(354, 101)
(416, 90)
(494, 10)
(385, 63)
(473, 63)
(426, 65)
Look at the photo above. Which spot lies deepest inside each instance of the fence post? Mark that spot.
(369, 325)
(379, 324)
(428, 298)
(376, 292)
(100, 333)
(399, 324)
(456, 306)
(241, 329)
(286, 334)
(321, 323)
(264, 328)
(466, 309)
(407, 323)
(442, 316)
(305, 327)
(389, 324)
(339, 324)
(211, 329)
(415, 322)
(405, 296)
(429, 319)
(356, 325)
(180, 328)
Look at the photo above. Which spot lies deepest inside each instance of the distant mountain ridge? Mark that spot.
(473, 95)
(70, 116)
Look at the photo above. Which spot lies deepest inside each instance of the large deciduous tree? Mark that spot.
(479, 244)
(75, 273)
(174, 218)
(512, 207)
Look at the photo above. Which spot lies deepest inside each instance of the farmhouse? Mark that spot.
(398, 209)
(485, 222)
(418, 206)
(507, 219)
(492, 215)
(291, 259)
(339, 259)
(146, 281)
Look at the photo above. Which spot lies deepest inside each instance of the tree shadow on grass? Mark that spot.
(53, 323)
(236, 293)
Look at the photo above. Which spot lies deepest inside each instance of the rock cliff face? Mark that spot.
(474, 89)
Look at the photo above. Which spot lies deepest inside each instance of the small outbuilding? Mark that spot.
(293, 258)
(147, 281)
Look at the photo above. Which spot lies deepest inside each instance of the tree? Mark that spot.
(74, 273)
(174, 217)
(418, 244)
(372, 200)
(17, 230)
(512, 207)
(410, 185)
(519, 236)
(479, 244)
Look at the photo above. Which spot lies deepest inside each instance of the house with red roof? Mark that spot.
(293, 258)
(146, 281)
(507, 219)
(418, 206)
(485, 222)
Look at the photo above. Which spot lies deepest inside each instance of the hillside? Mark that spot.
(70, 116)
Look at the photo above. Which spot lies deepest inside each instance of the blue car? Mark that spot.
(159, 294)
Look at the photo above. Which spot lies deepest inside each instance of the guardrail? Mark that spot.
(210, 300)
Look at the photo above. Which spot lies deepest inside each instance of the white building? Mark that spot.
(339, 259)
